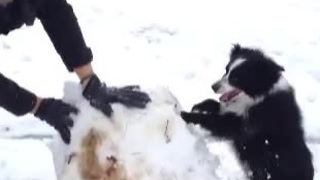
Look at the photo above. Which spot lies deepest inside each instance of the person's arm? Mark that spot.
(84, 73)
(60, 23)
(19, 101)
(15, 99)
(15, 13)
(65, 33)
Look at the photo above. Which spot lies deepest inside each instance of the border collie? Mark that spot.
(258, 112)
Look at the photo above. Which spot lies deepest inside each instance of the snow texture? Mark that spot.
(152, 143)
(180, 44)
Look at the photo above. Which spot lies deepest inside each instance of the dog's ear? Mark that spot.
(236, 49)
(280, 68)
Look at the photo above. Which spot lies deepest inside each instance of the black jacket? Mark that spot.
(60, 23)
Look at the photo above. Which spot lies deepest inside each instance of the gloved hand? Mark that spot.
(100, 96)
(56, 113)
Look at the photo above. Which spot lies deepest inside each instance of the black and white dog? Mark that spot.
(258, 112)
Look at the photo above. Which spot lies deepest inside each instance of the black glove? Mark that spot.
(56, 113)
(100, 96)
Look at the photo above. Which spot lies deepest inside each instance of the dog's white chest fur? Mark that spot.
(134, 144)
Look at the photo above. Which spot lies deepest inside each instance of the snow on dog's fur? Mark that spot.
(134, 144)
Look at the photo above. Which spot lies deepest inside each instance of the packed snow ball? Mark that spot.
(138, 144)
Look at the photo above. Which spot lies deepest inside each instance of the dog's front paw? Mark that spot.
(208, 106)
(188, 117)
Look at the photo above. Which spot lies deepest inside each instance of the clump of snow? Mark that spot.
(152, 143)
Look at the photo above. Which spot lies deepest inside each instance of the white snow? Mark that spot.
(179, 44)
(25, 159)
(151, 143)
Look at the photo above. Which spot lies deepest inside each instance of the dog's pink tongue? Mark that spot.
(229, 95)
(224, 97)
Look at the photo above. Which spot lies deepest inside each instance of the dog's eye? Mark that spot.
(233, 80)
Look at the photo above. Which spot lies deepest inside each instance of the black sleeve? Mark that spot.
(15, 99)
(15, 14)
(58, 20)
(61, 25)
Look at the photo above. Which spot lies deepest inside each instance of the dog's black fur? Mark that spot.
(268, 138)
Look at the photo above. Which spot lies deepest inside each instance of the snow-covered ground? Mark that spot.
(180, 44)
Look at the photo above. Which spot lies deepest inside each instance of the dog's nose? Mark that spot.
(216, 86)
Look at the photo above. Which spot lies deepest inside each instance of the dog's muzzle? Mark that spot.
(216, 86)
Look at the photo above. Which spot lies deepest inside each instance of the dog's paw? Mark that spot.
(208, 106)
(187, 117)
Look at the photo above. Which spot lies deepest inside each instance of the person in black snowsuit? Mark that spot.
(60, 23)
